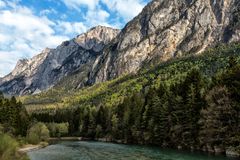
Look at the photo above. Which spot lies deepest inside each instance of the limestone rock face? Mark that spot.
(96, 38)
(49, 67)
(168, 29)
(163, 30)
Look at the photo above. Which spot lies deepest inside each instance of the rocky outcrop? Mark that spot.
(49, 67)
(168, 29)
(96, 38)
(163, 30)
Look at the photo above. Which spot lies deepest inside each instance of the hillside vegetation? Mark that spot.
(14, 122)
(191, 102)
(110, 93)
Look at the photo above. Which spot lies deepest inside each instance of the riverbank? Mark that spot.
(30, 147)
(67, 139)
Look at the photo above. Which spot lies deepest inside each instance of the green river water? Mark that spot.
(107, 151)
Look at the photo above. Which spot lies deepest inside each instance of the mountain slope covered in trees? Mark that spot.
(190, 102)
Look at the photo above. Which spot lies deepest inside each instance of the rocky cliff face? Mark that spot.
(49, 67)
(163, 30)
(167, 29)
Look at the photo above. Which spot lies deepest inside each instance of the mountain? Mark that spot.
(162, 31)
(168, 29)
(185, 103)
(46, 69)
(210, 63)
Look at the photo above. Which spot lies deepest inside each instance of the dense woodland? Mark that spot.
(13, 116)
(187, 114)
(198, 109)
(191, 102)
(14, 121)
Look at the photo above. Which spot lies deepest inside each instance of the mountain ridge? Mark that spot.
(166, 29)
(162, 31)
(45, 69)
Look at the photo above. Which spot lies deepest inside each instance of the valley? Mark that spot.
(166, 86)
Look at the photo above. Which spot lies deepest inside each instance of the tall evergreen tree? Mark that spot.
(218, 120)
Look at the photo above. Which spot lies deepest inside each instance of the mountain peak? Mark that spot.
(51, 65)
(163, 30)
(21, 62)
(96, 38)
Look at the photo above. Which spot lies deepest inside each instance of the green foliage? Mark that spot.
(38, 133)
(177, 103)
(58, 129)
(219, 119)
(13, 116)
(8, 148)
(113, 92)
(14, 120)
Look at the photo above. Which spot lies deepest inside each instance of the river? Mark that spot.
(83, 150)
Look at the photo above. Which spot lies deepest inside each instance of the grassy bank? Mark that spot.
(9, 148)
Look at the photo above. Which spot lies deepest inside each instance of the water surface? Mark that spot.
(108, 151)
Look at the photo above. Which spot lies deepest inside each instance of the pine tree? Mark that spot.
(101, 118)
(218, 120)
(115, 129)
(92, 122)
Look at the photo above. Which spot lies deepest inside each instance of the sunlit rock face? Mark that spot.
(49, 67)
(167, 29)
(163, 30)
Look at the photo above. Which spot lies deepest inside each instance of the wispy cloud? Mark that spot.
(125, 8)
(46, 12)
(22, 34)
(77, 4)
(70, 28)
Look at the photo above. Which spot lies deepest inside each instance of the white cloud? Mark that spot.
(97, 17)
(125, 8)
(71, 28)
(94, 15)
(76, 4)
(25, 21)
(7, 61)
(21, 25)
(46, 12)
(22, 34)
(2, 4)
(4, 38)
(98, 13)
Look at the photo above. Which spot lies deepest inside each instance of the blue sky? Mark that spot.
(29, 26)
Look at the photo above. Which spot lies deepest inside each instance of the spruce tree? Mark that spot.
(218, 120)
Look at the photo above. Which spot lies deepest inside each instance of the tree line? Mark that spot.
(193, 113)
(13, 116)
(14, 121)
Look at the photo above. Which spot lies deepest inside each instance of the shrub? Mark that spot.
(37, 133)
(8, 148)
(58, 129)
